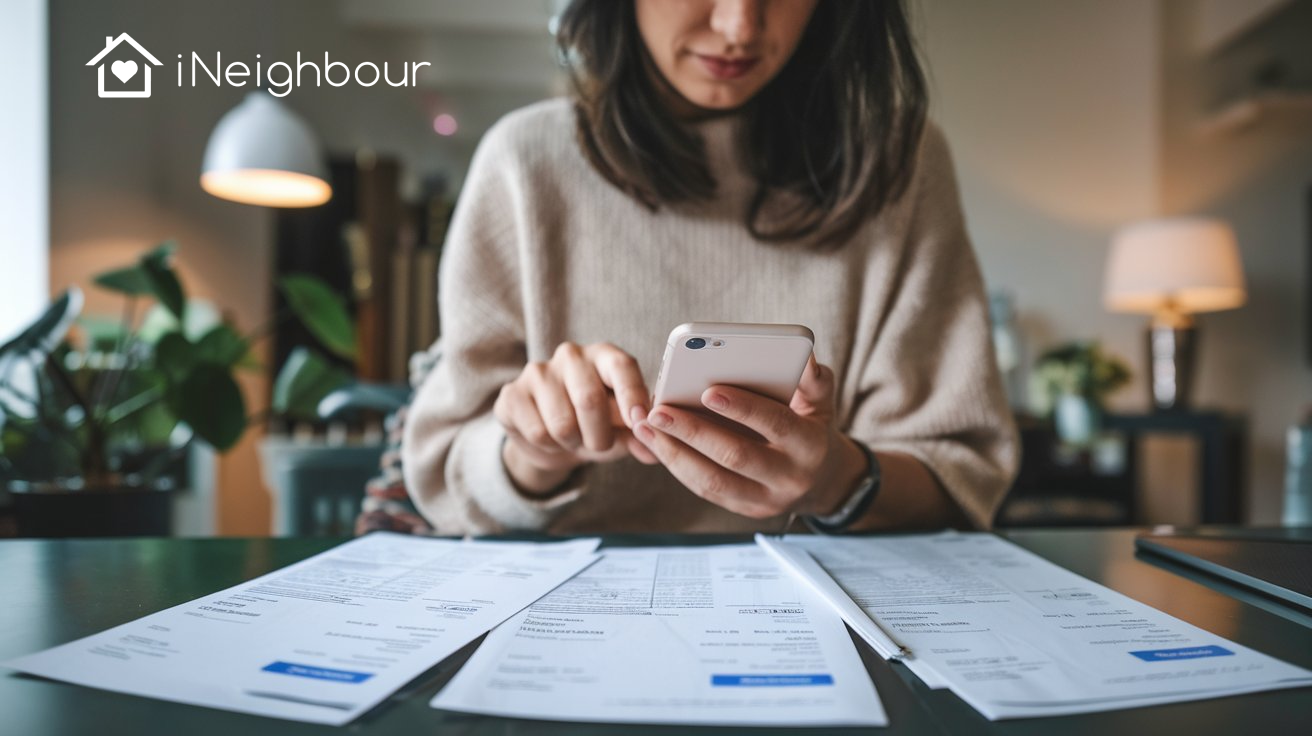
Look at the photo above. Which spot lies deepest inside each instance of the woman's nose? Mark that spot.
(739, 21)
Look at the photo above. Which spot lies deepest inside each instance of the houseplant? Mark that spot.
(1070, 384)
(92, 418)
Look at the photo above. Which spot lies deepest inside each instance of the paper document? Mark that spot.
(678, 635)
(325, 639)
(1017, 636)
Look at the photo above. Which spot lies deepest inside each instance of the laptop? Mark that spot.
(1273, 561)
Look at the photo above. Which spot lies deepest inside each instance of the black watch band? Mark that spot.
(857, 503)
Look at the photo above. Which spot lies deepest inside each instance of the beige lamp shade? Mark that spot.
(1181, 265)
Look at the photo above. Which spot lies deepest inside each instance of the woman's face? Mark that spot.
(717, 54)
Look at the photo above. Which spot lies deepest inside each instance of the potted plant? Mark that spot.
(1070, 383)
(92, 420)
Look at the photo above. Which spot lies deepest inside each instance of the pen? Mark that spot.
(805, 567)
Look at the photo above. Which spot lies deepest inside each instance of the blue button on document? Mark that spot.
(1172, 655)
(317, 673)
(769, 680)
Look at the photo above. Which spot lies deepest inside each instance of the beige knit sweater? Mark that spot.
(543, 250)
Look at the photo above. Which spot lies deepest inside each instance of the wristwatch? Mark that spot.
(856, 504)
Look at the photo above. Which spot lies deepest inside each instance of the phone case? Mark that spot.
(765, 358)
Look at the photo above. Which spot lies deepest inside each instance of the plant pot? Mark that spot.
(317, 489)
(1077, 419)
(70, 509)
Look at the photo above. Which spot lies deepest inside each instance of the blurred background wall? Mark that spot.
(1070, 119)
(1067, 120)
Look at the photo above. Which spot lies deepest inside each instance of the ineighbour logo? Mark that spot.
(122, 60)
(130, 71)
(280, 77)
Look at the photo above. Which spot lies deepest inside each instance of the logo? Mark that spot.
(131, 69)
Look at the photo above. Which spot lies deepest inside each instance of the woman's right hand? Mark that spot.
(578, 407)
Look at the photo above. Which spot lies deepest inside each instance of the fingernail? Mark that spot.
(717, 401)
(643, 433)
(659, 419)
(636, 414)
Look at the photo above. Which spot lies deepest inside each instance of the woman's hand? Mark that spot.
(802, 464)
(576, 408)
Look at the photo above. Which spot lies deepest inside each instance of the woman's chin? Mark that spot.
(720, 99)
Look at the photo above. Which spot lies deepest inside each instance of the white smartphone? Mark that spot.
(763, 358)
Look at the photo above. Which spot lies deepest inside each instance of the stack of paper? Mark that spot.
(1016, 636)
(725, 635)
(325, 639)
(692, 635)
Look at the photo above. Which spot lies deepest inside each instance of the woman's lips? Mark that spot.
(723, 67)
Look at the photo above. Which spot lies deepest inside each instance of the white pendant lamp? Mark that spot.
(262, 153)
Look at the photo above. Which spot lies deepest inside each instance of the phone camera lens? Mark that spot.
(695, 343)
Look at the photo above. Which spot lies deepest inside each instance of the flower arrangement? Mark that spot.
(1070, 384)
(1080, 369)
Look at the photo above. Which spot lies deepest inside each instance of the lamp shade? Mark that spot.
(262, 153)
(1183, 265)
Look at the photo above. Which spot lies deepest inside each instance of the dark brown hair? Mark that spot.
(831, 140)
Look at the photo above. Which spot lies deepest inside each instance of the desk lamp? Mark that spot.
(1172, 269)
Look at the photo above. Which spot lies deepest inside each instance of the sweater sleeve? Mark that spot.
(451, 448)
(929, 386)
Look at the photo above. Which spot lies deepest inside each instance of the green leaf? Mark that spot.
(133, 280)
(322, 311)
(175, 355)
(210, 402)
(166, 287)
(221, 346)
(152, 275)
(50, 328)
(302, 383)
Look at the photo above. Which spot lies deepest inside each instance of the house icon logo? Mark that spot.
(133, 77)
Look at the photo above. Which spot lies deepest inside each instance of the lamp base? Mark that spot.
(1172, 352)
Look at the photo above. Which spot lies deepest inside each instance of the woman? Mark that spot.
(722, 160)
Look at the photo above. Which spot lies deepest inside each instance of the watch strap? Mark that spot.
(857, 503)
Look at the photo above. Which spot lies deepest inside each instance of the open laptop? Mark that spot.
(1273, 561)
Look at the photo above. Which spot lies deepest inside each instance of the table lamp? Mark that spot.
(1172, 269)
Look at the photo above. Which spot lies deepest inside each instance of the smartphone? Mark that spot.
(764, 358)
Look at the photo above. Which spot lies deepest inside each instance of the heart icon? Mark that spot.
(124, 70)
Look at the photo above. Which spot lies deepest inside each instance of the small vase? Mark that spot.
(1077, 419)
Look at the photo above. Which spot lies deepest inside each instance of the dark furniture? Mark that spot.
(1058, 486)
(56, 591)
(1222, 446)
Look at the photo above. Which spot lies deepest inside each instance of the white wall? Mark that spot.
(24, 186)
(1050, 110)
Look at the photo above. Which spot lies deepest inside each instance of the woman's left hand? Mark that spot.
(802, 464)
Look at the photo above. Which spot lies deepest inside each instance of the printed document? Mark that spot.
(325, 639)
(678, 635)
(1017, 636)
